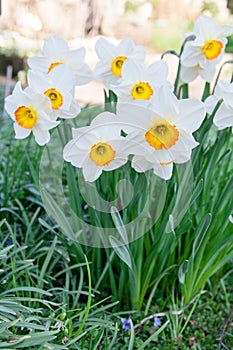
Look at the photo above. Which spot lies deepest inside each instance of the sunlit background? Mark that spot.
(157, 24)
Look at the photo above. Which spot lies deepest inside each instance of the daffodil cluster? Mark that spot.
(50, 91)
(152, 126)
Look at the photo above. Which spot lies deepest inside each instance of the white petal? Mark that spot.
(17, 92)
(204, 27)
(10, 106)
(116, 163)
(163, 171)
(224, 90)
(210, 103)
(55, 47)
(105, 118)
(181, 151)
(41, 136)
(105, 50)
(134, 71)
(136, 144)
(103, 73)
(134, 117)
(62, 77)
(191, 55)
(87, 139)
(91, 172)
(38, 81)
(141, 164)
(224, 117)
(84, 75)
(158, 70)
(139, 53)
(75, 58)
(126, 46)
(225, 30)
(188, 74)
(207, 73)
(45, 123)
(77, 132)
(21, 133)
(41, 102)
(191, 114)
(165, 103)
(72, 112)
(123, 89)
(40, 64)
(74, 155)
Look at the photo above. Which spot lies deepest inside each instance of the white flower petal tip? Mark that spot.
(231, 219)
(224, 115)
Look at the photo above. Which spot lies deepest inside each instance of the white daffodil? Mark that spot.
(58, 87)
(201, 55)
(138, 82)
(56, 52)
(161, 136)
(112, 58)
(30, 112)
(98, 147)
(224, 115)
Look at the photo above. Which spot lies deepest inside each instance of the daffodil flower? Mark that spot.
(112, 59)
(58, 86)
(139, 82)
(98, 147)
(56, 52)
(224, 115)
(161, 134)
(30, 113)
(201, 55)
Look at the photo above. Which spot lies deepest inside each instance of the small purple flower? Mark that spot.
(125, 323)
(157, 322)
(9, 242)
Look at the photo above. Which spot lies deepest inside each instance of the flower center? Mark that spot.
(26, 117)
(55, 97)
(117, 65)
(162, 134)
(53, 65)
(102, 153)
(212, 49)
(142, 91)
